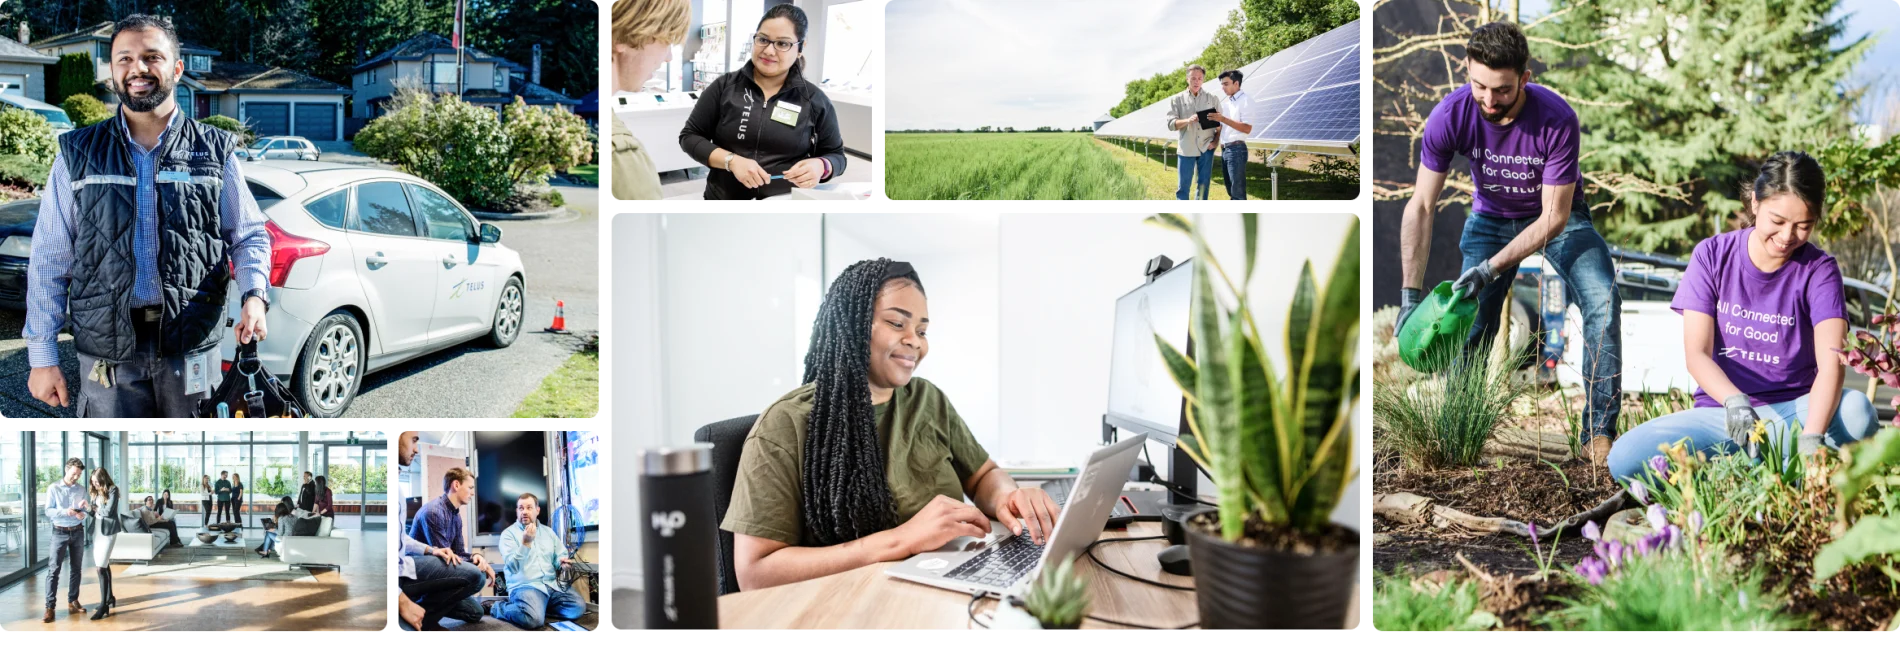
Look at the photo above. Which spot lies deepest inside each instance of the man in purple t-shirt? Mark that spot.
(1522, 142)
(1762, 312)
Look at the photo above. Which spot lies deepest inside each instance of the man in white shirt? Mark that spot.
(66, 510)
(1233, 134)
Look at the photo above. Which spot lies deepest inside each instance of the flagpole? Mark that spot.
(461, 46)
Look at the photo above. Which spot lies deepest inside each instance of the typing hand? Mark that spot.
(1030, 508)
(939, 522)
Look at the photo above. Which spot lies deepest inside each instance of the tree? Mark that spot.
(459, 146)
(75, 76)
(1679, 100)
(1256, 31)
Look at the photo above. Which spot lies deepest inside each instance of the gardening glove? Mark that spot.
(1808, 443)
(1475, 279)
(1408, 300)
(1741, 423)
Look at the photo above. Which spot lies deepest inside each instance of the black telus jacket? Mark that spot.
(731, 115)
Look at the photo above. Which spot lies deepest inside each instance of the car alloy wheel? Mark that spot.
(508, 312)
(332, 371)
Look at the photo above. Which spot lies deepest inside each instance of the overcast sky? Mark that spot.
(1062, 63)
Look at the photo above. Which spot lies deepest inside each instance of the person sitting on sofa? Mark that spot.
(532, 559)
(152, 516)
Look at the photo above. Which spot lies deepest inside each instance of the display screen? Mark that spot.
(583, 474)
(507, 464)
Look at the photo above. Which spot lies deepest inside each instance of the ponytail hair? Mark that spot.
(1792, 172)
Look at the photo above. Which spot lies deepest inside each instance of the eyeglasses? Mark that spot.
(760, 41)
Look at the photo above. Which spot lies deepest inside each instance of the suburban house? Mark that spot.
(23, 71)
(271, 100)
(427, 61)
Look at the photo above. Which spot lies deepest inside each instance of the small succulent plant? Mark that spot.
(1058, 598)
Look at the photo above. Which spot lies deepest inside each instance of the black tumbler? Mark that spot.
(679, 538)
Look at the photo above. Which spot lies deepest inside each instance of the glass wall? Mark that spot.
(13, 505)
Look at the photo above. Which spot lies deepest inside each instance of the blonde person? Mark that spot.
(644, 34)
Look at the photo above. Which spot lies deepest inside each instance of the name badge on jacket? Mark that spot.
(174, 177)
(786, 113)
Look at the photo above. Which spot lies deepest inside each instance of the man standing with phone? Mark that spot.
(1196, 144)
(66, 510)
(532, 562)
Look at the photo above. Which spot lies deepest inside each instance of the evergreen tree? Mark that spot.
(1255, 31)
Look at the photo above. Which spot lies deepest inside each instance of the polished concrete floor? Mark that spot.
(356, 599)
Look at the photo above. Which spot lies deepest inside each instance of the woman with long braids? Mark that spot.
(109, 509)
(863, 463)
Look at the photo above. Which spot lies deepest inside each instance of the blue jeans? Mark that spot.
(69, 551)
(1706, 430)
(1583, 260)
(270, 541)
(1201, 169)
(530, 608)
(1233, 160)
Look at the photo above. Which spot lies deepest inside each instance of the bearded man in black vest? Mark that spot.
(143, 222)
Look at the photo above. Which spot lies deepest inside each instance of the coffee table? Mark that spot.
(203, 552)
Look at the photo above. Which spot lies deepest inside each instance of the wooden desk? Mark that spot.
(866, 598)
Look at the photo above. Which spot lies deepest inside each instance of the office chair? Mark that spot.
(728, 440)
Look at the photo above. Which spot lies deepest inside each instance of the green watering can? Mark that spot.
(1437, 329)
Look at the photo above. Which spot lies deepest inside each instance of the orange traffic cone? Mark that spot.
(560, 318)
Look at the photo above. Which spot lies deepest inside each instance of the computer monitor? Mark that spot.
(1142, 395)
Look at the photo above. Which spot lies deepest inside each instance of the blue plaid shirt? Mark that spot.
(50, 267)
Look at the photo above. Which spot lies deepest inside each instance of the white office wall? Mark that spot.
(956, 257)
(639, 379)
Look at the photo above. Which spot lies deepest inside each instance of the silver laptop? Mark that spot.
(1003, 562)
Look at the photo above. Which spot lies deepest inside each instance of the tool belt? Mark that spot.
(250, 391)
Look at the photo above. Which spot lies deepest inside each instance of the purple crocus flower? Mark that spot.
(1616, 552)
(1535, 547)
(1657, 516)
(1661, 465)
(1593, 570)
(1593, 532)
(1639, 492)
(1695, 523)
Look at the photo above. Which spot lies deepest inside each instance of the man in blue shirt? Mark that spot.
(434, 583)
(66, 510)
(439, 524)
(145, 220)
(532, 561)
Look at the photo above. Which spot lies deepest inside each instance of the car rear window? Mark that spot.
(265, 196)
(331, 209)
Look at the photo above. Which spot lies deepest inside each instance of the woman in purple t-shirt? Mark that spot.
(1762, 313)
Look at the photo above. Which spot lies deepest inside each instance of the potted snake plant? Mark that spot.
(1058, 599)
(1276, 443)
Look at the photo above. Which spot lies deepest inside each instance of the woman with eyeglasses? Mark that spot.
(764, 129)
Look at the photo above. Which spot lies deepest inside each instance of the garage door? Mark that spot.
(268, 119)
(15, 84)
(316, 122)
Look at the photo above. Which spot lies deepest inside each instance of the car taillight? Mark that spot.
(286, 249)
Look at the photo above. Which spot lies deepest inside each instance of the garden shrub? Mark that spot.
(1401, 605)
(226, 123)
(542, 140)
(459, 146)
(75, 76)
(26, 133)
(85, 110)
(24, 171)
(1675, 592)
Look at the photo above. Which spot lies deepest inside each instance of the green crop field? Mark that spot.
(1060, 166)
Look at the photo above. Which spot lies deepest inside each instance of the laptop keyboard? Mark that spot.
(1000, 564)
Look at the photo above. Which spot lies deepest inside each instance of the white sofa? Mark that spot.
(141, 547)
(320, 550)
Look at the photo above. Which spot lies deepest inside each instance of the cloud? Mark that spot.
(968, 63)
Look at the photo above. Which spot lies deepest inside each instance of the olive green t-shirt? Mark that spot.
(927, 451)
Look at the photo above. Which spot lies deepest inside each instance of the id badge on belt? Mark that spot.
(198, 372)
(786, 113)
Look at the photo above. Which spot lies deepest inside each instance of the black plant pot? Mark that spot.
(1258, 588)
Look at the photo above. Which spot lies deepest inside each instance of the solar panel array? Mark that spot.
(1305, 94)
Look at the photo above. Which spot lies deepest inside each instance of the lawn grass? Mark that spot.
(587, 174)
(1158, 163)
(572, 390)
(1062, 166)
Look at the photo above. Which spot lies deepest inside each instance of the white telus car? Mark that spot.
(370, 268)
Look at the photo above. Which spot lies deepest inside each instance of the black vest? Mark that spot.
(192, 256)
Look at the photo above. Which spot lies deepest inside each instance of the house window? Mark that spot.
(185, 104)
(198, 63)
(371, 76)
(444, 72)
(101, 51)
(501, 79)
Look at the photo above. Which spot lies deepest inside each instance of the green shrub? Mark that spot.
(75, 76)
(85, 110)
(1399, 605)
(556, 199)
(245, 135)
(1675, 593)
(1445, 421)
(459, 146)
(542, 140)
(26, 133)
(23, 171)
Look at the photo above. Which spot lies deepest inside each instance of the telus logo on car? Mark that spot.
(456, 290)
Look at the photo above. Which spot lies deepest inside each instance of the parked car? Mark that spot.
(369, 268)
(54, 115)
(280, 147)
